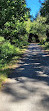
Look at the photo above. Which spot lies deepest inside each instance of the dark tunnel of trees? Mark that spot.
(31, 36)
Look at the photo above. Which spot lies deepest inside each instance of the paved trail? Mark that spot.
(28, 88)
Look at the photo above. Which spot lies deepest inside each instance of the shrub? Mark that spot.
(7, 49)
(1, 39)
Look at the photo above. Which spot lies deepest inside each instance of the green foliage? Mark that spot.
(12, 9)
(13, 15)
(38, 27)
(2, 39)
(28, 25)
(45, 10)
(7, 49)
(14, 31)
(46, 45)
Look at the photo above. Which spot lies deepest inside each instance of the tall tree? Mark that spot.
(10, 9)
(45, 10)
(13, 13)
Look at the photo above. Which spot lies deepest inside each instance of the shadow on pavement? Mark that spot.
(31, 78)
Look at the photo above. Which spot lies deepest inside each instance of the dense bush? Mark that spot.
(47, 45)
(7, 51)
(13, 16)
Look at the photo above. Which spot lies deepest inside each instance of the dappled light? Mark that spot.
(29, 83)
(24, 55)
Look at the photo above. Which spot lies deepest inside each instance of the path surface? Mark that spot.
(28, 88)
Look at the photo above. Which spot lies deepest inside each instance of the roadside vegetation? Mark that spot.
(16, 24)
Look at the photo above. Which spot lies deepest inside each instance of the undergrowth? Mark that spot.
(9, 56)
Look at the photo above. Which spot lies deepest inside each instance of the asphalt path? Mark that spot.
(28, 86)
